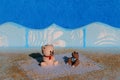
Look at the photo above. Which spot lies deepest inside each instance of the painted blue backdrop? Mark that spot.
(66, 13)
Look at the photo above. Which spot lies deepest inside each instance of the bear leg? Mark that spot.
(76, 63)
(43, 64)
(69, 61)
(55, 63)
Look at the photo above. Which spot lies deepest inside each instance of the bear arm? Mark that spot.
(45, 59)
(53, 58)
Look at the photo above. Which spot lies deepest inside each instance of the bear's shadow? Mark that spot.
(65, 59)
(37, 56)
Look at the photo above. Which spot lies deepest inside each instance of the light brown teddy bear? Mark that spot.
(74, 60)
(48, 55)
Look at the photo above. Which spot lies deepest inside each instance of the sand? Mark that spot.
(9, 69)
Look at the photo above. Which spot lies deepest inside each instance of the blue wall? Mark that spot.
(66, 13)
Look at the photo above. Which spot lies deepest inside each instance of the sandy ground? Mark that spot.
(9, 69)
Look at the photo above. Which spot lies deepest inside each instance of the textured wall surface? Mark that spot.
(92, 35)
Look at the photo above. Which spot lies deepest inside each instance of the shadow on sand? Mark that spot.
(65, 59)
(37, 56)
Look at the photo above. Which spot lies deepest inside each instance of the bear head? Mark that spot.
(75, 55)
(47, 50)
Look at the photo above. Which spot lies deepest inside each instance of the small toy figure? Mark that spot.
(48, 55)
(74, 60)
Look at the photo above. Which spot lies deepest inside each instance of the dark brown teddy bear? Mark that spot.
(74, 60)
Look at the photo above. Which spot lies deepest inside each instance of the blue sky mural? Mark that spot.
(66, 13)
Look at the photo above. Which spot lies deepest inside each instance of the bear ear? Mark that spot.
(42, 47)
(72, 53)
(51, 45)
(46, 45)
(75, 52)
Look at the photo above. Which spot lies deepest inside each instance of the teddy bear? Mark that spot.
(74, 60)
(48, 56)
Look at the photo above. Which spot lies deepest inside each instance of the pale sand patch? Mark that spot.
(35, 72)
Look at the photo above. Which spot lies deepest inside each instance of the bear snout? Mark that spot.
(51, 52)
